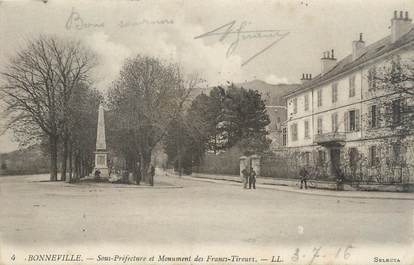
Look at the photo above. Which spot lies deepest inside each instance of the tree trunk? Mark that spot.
(53, 157)
(70, 162)
(77, 167)
(64, 159)
(145, 164)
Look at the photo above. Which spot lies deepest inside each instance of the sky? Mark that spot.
(272, 40)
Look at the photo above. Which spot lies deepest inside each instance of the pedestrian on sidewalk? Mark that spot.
(339, 183)
(152, 174)
(245, 175)
(303, 177)
(252, 178)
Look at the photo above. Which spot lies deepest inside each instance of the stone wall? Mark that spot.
(226, 163)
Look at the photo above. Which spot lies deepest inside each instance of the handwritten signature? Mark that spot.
(240, 34)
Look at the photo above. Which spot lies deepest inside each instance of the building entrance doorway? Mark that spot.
(335, 161)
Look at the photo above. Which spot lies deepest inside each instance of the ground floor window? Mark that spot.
(306, 158)
(321, 157)
(373, 156)
(284, 136)
(353, 158)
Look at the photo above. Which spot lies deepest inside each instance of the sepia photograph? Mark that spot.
(194, 132)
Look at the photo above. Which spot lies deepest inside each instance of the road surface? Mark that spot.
(192, 213)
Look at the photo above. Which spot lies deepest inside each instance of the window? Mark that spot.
(353, 159)
(398, 154)
(372, 84)
(334, 122)
(334, 92)
(319, 96)
(321, 157)
(319, 125)
(373, 156)
(284, 136)
(352, 86)
(352, 120)
(396, 111)
(373, 116)
(306, 97)
(306, 158)
(294, 132)
(306, 129)
(295, 105)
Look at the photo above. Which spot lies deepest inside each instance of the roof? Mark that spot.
(368, 53)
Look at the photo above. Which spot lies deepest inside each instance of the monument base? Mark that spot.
(104, 172)
(101, 157)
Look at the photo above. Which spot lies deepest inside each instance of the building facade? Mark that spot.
(336, 121)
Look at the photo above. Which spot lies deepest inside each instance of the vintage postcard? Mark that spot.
(191, 132)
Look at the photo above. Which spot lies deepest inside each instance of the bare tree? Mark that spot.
(148, 95)
(38, 84)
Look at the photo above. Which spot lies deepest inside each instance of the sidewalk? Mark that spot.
(264, 183)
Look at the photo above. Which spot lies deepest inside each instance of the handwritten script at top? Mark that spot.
(76, 22)
(239, 33)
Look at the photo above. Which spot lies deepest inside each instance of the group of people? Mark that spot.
(249, 177)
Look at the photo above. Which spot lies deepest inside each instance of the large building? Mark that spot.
(335, 120)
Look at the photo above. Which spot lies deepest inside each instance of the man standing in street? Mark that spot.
(303, 177)
(152, 174)
(245, 174)
(252, 178)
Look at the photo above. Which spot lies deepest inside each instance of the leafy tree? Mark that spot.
(225, 118)
(244, 117)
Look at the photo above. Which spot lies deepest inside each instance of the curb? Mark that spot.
(276, 187)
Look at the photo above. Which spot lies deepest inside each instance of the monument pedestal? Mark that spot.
(101, 158)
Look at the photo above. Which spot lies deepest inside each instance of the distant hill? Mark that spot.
(272, 94)
(30, 160)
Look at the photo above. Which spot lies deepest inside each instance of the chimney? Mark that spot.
(357, 47)
(400, 25)
(328, 61)
(305, 78)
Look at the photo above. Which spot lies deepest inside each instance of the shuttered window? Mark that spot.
(319, 125)
(294, 131)
(352, 86)
(334, 92)
(351, 119)
(373, 116)
(295, 105)
(306, 99)
(306, 129)
(319, 97)
(334, 121)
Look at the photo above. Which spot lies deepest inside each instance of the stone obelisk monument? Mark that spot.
(101, 155)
